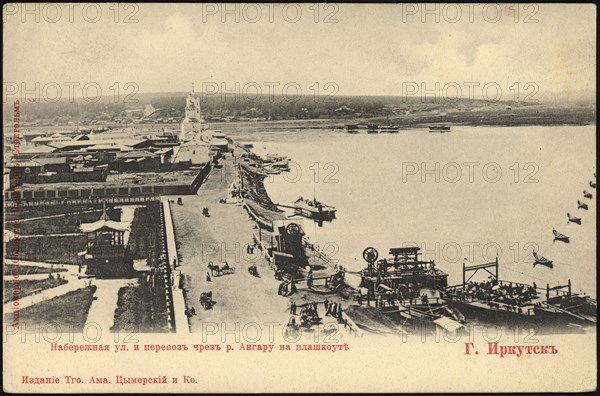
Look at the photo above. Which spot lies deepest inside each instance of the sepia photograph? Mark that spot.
(299, 197)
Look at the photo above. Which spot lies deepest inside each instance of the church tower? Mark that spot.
(193, 119)
(192, 106)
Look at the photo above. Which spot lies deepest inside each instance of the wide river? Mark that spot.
(463, 197)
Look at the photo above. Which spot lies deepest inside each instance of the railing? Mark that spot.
(42, 203)
(315, 248)
(261, 222)
(351, 326)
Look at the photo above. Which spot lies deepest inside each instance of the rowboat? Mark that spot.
(560, 237)
(587, 194)
(574, 219)
(581, 205)
(592, 184)
(542, 260)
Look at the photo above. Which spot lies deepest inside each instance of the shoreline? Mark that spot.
(500, 116)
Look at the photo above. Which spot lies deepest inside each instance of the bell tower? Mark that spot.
(192, 106)
(192, 120)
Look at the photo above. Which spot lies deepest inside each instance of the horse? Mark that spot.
(214, 268)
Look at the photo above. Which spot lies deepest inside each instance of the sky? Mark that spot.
(346, 49)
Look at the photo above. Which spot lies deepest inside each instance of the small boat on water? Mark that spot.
(592, 184)
(314, 209)
(542, 260)
(389, 129)
(560, 237)
(573, 219)
(440, 128)
(587, 194)
(581, 205)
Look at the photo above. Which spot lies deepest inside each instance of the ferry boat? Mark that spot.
(408, 288)
(405, 267)
(440, 128)
(513, 303)
(314, 209)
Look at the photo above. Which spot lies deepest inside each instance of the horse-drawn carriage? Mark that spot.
(206, 300)
(226, 269)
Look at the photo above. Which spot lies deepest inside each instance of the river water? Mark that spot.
(463, 197)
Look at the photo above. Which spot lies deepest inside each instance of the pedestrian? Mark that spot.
(292, 308)
(208, 276)
(315, 309)
(326, 303)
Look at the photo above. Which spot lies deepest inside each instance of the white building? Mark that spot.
(196, 152)
(192, 123)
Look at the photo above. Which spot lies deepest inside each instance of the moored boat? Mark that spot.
(400, 286)
(389, 129)
(405, 270)
(314, 209)
(512, 303)
(582, 205)
(587, 194)
(572, 307)
(440, 128)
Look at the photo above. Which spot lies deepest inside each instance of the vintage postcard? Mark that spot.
(299, 197)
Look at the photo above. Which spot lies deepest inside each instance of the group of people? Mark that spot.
(492, 291)
(250, 248)
(189, 312)
(310, 202)
(333, 309)
(309, 314)
(287, 288)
